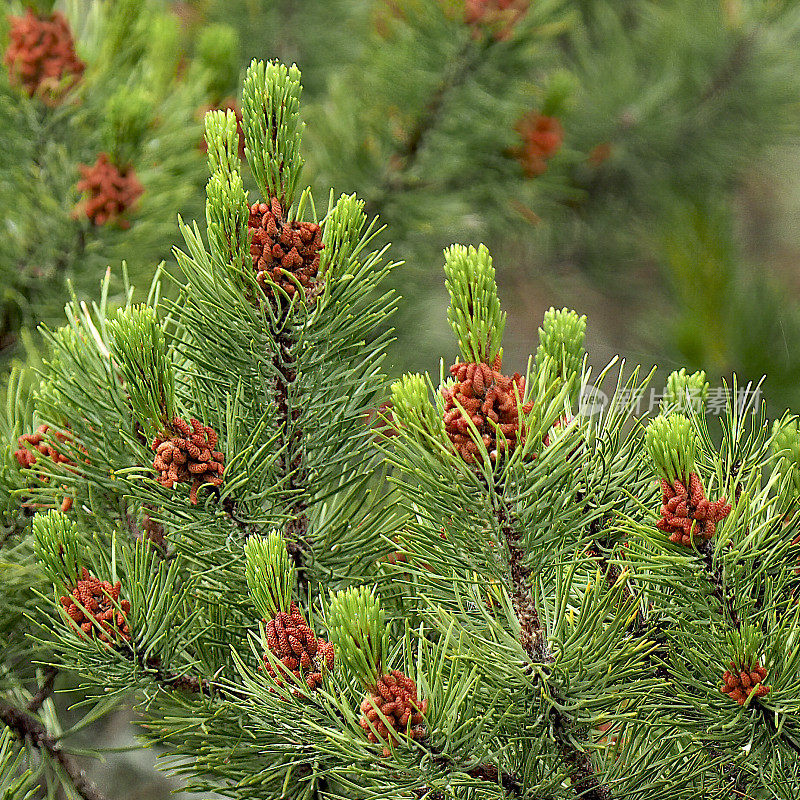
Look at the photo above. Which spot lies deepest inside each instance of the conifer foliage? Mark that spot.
(98, 117)
(483, 605)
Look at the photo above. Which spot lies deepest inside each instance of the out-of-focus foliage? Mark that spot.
(672, 112)
(136, 106)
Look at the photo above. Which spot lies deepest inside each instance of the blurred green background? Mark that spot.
(668, 214)
(666, 206)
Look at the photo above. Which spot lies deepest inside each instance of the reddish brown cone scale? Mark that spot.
(396, 697)
(187, 455)
(489, 400)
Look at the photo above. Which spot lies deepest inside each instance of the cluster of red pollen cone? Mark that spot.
(301, 654)
(279, 247)
(95, 609)
(187, 454)
(108, 192)
(740, 682)
(687, 514)
(395, 697)
(298, 651)
(41, 59)
(489, 400)
(500, 16)
(40, 442)
(541, 138)
(41, 56)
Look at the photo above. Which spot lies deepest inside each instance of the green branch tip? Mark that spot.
(221, 133)
(272, 128)
(672, 444)
(744, 644)
(269, 573)
(129, 114)
(412, 409)
(474, 313)
(217, 52)
(227, 215)
(341, 235)
(561, 338)
(57, 546)
(685, 392)
(139, 349)
(785, 447)
(357, 629)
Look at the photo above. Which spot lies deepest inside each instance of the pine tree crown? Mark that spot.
(745, 644)
(227, 210)
(413, 411)
(344, 238)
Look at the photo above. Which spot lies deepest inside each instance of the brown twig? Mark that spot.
(44, 691)
(533, 637)
(292, 458)
(405, 157)
(28, 729)
(484, 772)
(714, 572)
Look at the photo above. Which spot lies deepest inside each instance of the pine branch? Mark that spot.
(490, 773)
(193, 684)
(734, 775)
(28, 729)
(726, 599)
(44, 691)
(732, 67)
(405, 157)
(534, 641)
(15, 529)
(769, 721)
(297, 529)
(291, 458)
(485, 772)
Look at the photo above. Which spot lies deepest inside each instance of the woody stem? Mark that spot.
(28, 729)
(533, 637)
